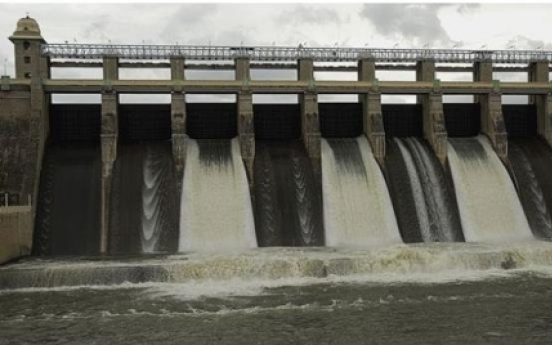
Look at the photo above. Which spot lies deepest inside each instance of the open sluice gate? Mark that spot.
(353, 201)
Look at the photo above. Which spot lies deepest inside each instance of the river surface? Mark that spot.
(480, 306)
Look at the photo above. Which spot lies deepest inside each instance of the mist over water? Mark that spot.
(489, 206)
(357, 208)
(216, 213)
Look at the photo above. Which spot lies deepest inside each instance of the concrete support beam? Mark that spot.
(544, 116)
(372, 118)
(492, 122)
(366, 70)
(242, 69)
(305, 69)
(310, 123)
(539, 72)
(246, 127)
(482, 71)
(432, 105)
(177, 68)
(434, 125)
(110, 68)
(425, 71)
(109, 135)
(373, 123)
(179, 136)
(246, 132)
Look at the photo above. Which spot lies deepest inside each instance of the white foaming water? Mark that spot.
(251, 272)
(490, 209)
(150, 203)
(357, 207)
(216, 212)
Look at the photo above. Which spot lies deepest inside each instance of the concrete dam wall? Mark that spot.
(126, 179)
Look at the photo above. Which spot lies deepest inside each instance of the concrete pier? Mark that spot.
(178, 134)
(432, 104)
(540, 72)
(178, 119)
(310, 123)
(246, 121)
(492, 119)
(109, 137)
(372, 118)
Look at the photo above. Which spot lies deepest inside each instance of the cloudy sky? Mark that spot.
(496, 26)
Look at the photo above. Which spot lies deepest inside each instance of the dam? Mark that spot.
(114, 179)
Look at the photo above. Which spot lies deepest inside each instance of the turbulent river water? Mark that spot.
(415, 294)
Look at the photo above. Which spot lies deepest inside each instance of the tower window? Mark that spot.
(26, 45)
(27, 59)
(28, 75)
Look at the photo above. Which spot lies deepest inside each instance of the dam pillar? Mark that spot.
(482, 71)
(178, 134)
(425, 71)
(539, 72)
(178, 120)
(109, 137)
(492, 121)
(246, 124)
(310, 124)
(372, 118)
(432, 106)
(434, 124)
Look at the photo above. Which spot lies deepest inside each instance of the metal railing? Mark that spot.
(273, 53)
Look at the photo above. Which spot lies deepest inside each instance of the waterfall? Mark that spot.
(357, 208)
(489, 206)
(531, 161)
(216, 213)
(144, 200)
(421, 192)
(287, 197)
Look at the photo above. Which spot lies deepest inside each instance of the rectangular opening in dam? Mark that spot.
(402, 119)
(75, 122)
(275, 99)
(210, 70)
(458, 99)
(277, 121)
(270, 72)
(139, 122)
(210, 98)
(144, 98)
(213, 118)
(520, 120)
(335, 71)
(340, 119)
(519, 77)
(395, 75)
(337, 98)
(144, 70)
(462, 119)
(76, 98)
(398, 99)
(89, 73)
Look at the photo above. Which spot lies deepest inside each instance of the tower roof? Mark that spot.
(27, 28)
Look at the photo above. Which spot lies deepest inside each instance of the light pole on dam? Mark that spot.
(25, 102)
